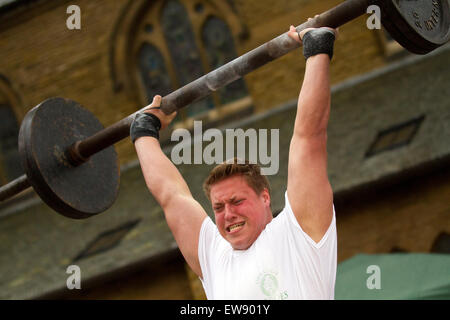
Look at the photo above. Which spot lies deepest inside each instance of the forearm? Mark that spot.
(161, 176)
(313, 107)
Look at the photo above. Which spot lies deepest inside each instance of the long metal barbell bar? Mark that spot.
(395, 18)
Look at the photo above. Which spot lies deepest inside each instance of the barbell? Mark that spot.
(69, 158)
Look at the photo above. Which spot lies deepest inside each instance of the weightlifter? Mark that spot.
(246, 253)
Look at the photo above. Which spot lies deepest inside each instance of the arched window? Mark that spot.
(9, 156)
(178, 41)
(219, 46)
(183, 49)
(153, 71)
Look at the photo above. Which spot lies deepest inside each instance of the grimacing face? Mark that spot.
(241, 214)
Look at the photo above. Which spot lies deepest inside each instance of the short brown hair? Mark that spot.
(250, 172)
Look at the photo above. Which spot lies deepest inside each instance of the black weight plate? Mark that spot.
(74, 191)
(418, 25)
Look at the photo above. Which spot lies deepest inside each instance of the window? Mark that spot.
(395, 137)
(178, 41)
(10, 113)
(183, 49)
(153, 71)
(107, 240)
(9, 155)
(220, 49)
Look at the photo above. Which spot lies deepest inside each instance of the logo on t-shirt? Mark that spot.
(269, 286)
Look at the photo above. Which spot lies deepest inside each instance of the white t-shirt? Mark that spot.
(283, 263)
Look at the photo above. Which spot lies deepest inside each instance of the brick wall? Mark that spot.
(408, 217)
(356, 52)
(42, 58)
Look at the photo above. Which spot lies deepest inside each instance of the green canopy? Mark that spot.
(394, 276)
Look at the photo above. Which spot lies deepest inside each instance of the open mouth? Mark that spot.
(235, 227)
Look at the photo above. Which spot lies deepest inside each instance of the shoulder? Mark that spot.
(292, 226)
(210, 239)
(208, 229)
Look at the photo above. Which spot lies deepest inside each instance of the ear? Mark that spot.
(266, 197)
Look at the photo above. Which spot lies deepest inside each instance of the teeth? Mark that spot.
(236, 226)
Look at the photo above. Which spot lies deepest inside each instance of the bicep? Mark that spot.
(309, 190)
(185, 216)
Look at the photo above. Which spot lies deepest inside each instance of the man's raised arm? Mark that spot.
(183, 213)
(309, 190)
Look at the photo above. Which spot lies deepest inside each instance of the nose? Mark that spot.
(229, 212)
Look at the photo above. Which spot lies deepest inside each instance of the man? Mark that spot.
(248, 254)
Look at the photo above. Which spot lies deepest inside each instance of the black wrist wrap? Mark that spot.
(145, 125)
(318, 41)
